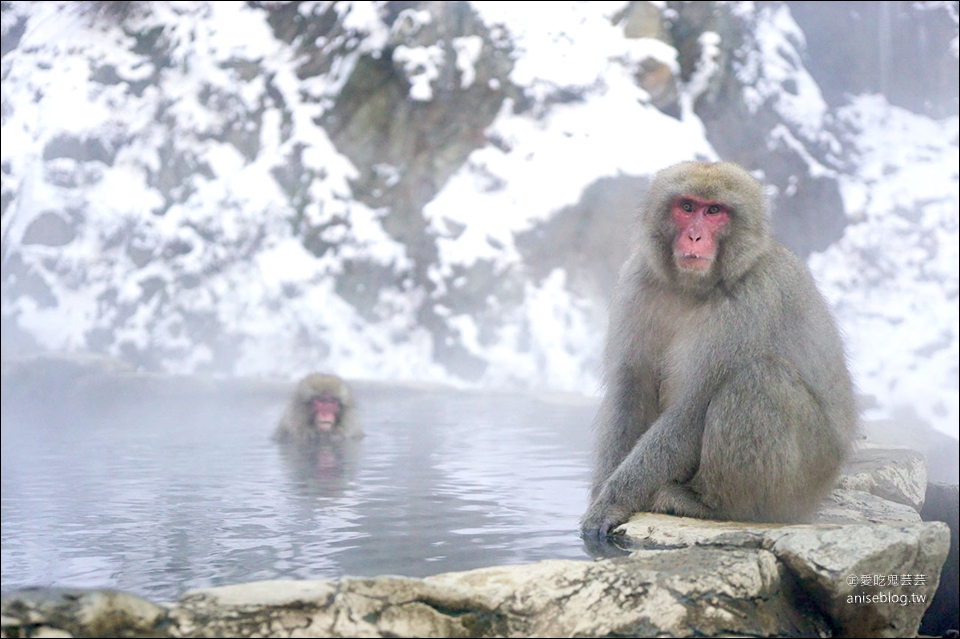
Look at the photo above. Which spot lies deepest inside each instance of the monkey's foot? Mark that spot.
(681, 501)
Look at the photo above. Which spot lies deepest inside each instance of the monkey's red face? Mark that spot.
(698, 224)
(326, 411)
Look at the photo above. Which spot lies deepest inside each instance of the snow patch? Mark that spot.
(468, 51)
(421, 66)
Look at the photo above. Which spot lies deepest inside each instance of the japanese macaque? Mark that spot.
(727, 390)
(321, 409)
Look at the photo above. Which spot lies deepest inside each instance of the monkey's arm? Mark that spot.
(668, 452)
(631, 402)
(625, 414)
(284, 431)
(350, 425)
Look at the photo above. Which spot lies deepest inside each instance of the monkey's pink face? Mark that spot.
(698, 225)
(325, 411)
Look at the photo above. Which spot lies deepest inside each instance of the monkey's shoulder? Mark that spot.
(777, 274)
(285, 429)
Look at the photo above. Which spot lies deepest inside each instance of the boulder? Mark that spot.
(896, 474)
(685, 577)
(856, 506)
(62, 612)
(868, 580)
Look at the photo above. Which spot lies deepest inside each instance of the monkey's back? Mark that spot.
(806, 334)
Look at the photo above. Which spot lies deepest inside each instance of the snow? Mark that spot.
(564, 47)
(546, 158)
(468, 50)
(420, 64)
(707, 67)
(892, 279)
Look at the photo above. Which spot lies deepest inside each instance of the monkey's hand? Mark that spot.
(602, 518)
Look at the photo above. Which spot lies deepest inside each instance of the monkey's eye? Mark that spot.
(713, 209)
(687, 205)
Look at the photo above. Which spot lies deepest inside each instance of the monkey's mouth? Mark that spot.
(694, 262)
(325, 413)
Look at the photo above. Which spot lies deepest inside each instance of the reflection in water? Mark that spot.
(616, 545)
(156, 492)
(322, 468)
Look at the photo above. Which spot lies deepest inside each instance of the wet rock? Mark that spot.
(689, 578)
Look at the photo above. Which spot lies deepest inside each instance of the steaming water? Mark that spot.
(156, 493)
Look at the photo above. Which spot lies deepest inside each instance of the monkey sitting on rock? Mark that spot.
(321, 409)
(727, 389)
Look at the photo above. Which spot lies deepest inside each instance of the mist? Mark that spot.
(444, 193)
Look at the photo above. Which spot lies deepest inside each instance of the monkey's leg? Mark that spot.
(667, 453)
(768, 453)
(682, 501)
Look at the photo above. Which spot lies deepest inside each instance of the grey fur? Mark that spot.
(296, 424)
(727, 392)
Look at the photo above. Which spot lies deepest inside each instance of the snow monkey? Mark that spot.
(321, 409)
(727, 390)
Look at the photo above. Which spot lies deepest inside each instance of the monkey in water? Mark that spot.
(727, 389)
(321, 409)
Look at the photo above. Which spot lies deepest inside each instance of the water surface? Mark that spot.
(158, 491)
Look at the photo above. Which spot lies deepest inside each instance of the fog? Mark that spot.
(197, 189)
(205, 194)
